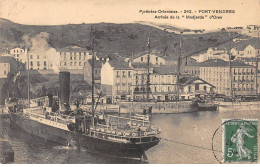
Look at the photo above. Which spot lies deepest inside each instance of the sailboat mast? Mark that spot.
(148, 71)
(179, 72)
(256, 66)
(93, 81)
(28, 82)
(230, 71)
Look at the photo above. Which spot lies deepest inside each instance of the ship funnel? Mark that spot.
(64, 88)
(50, 97)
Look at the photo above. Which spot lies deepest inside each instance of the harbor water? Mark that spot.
(186, 138)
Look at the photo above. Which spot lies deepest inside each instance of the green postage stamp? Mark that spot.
(239, 140)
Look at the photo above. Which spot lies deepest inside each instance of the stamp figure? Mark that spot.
(239, 140)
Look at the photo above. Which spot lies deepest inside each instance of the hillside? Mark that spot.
(122, 38)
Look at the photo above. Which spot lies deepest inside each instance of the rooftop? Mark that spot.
(189, 79)
(165, 70)
(141, 65)
(97, 63)
(241, 45)
(72, 49)
(108, 55)
(154, 52)
(119, 65)
(222, 63)
(6, 59)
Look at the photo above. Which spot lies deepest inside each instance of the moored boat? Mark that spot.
(124, 137)
(238, 106)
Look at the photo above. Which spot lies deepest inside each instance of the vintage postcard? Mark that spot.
(129, 81)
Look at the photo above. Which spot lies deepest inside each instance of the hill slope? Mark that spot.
(122, 38)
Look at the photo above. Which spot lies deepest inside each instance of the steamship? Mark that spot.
(124, 137)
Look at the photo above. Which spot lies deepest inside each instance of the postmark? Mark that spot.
(239, 140)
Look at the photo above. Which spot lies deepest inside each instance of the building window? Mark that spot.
(75, 63)
(75, 57)
(79, 57)
(95, 71)
(70, 57)
(189, 89)
(129, 73)
(123, 74)
(31, 57)
(155, 89)
(84, 53)
(197, 87)
(205, 88)
(117, 74)
(31, 63)
(44, 63)
(38, 63)
(142, 59)
(79, 63)
(65, 64)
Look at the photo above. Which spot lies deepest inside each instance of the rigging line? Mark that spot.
(209, 149)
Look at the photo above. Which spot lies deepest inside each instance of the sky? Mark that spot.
(57, 12)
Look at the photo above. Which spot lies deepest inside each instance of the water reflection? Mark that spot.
(192, 128)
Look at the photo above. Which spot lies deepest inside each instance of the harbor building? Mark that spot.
(116, 81)
(73, 58)
(107, 56)
(192, 69)
(156, 58)
(9, 64)
(17, 52)
(139, 84)
(97, 72)
(238, 76)
(163, 83)
(213, 53)
(192, 86)
(40, 60)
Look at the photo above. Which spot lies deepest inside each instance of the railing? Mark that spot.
(124, 137)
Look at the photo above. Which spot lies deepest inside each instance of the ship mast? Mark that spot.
(179, 72)
(28, 82)
(230, 70)
(256, 66)
(148, 70)
(92, 78)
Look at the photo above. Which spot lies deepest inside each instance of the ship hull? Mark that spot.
(159, 107)
(239, 106)
(207, 107)
(89, 143)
